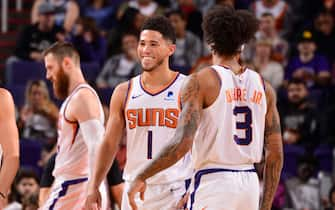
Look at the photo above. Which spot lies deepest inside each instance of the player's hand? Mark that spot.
(93, 201)
(137, 186)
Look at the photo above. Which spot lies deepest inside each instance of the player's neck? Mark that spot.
(76, 80)
(229, 62)
(157, 78)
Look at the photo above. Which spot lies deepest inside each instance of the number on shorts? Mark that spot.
(243, 125)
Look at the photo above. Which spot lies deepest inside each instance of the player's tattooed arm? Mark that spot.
(188, 123)
(273, 150)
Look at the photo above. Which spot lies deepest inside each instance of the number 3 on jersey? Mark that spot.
(243, 125)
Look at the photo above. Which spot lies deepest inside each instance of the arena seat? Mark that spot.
(291, 157)
(23, 71)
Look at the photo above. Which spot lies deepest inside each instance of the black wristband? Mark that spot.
(2, 195)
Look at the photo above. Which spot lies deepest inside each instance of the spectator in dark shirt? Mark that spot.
(92, 47)
(325, 35)
(308, 65)
(36, 38)
(299, 116)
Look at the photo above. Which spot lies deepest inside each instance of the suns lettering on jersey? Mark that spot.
(240, 94)
(152, 117)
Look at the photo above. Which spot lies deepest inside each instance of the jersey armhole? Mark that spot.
(75, 121)
(126, 99)
(262, 81)
(216, 74)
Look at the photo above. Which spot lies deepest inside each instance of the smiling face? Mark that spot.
(56, 74)
(153, 50)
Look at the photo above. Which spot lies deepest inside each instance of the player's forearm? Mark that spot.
(168, 157)
(8, 171)
(272, 169)
(106, 153)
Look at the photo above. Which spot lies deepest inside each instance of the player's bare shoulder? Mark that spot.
(6, 101)
(5, 95)
(209, 84)
(120, 92)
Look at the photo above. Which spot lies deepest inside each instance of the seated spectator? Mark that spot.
(86, 38)
(271, 71)
(103, 12)
(280, 11)
(307, 65)
(66, 12)
(35, 38)
(121, 67)
(130, 22)
(38, 117)
(147, 8)
(192, 14)
(325, 35)
(299, 117)
(303, 191)
(267, 30)
(188, 46)
(26, 184)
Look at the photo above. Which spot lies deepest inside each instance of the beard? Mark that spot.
(61, 85)
(160, 62)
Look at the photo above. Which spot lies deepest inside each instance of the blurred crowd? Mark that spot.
(294, 49)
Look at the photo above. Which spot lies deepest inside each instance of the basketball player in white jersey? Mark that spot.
(80, 128)
(9, 145)
(228, 115)
(146, 108)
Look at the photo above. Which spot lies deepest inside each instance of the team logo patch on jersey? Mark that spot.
(169, 96)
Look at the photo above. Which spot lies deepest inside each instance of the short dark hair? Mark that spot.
(267, 14)
(176, 12)
(297, 81)
(162, 25)
(24, 173)
(227, 29)
(61, 50)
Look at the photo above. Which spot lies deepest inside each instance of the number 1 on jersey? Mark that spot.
(149, 155)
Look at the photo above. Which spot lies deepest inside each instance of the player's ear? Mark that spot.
(172, 48)
(67, 62)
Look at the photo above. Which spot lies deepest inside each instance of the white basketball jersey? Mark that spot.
(231, 130)
(151, 121)
(72, 153)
